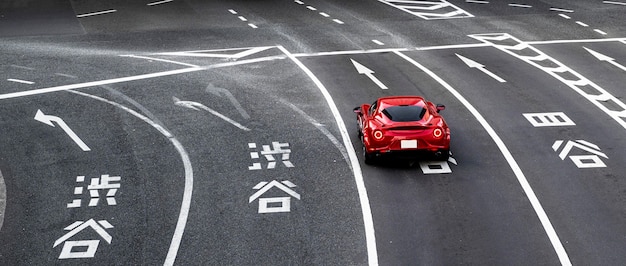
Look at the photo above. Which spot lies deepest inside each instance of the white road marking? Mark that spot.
(561, 10)
(188, 169)
(196, 105)
(363, 70)
(322, 129)
(21, 81)
(577, 82)
(565, 16)
(532, 197)
(600, 31)
(614, 3)
(232, 11)
(473, 64)
(66, 75)
(324, 14)
(132, 78)
(242, 18)
(299, 2)
(429, 9)
(606, 58)
(338, 21)
(582, 24)
(252, 25)
(311, 8)
(160, 60)
(520, 5)
(378, 42)
(48, 119)
(96, 13)
(368, 221)
(22, 67)
(476, 2)
(160, 2)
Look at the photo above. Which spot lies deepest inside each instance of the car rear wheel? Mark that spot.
(367, 156)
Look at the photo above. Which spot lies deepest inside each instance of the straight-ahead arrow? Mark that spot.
(48, 119)
(197, 106)
(473, 64)
(367, 72)
(603, 57)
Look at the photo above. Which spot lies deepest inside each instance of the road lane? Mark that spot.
(566, 191)
(434, 213)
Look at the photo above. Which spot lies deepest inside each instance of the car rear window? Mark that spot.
(404, 113)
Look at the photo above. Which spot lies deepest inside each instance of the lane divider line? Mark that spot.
(21, 81)
(188, 169)
(521, 178)
(368, 221)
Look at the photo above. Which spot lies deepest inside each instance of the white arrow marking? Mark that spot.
(367, 72)
(603, 57)
(224, 92)
(196, 105)
(48, 119)
(473, 64)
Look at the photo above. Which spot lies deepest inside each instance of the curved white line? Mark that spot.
(188, 190)
(530, 194)
(368, 221)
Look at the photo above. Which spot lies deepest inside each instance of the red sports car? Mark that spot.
(408, 126)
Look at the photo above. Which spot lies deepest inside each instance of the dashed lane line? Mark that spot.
(21, 81)
(159, 2)
(96, 13)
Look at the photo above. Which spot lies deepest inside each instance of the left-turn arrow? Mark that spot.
(49, 119)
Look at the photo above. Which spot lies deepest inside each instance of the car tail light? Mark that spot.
(378, 135)
(438, 133)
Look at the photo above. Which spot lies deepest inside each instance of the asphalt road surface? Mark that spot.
(188, 132)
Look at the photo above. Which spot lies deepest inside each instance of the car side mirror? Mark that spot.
(440, 107)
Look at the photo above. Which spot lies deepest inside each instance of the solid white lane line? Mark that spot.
(368, 221)
(188, 169)
(21, 81)
(96, 13)
(532, 197)
(160, 2)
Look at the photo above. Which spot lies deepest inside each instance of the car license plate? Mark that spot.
(408, 144)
